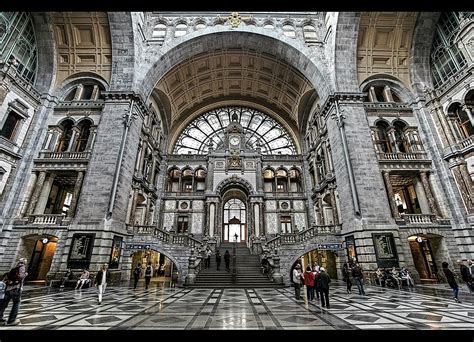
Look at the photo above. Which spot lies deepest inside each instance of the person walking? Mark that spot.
(227, 260)
(297, 280)
(137, 272)
(359, 278)
(218, 259)
(83, 279)
(323, 280)
(14, 287)
(465, 275)
(148, 274)
(451, 281)
(208, 257)
(101, 280)
(309, 282)
(346, 276)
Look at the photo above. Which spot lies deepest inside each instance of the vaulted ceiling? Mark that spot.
(384, 44)
(83, 43)
(233, 75)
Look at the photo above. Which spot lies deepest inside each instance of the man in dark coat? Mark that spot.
(101, 279)
(451, 281)
(218, 259)
(465, 275)
(322, 281)
(227, 260)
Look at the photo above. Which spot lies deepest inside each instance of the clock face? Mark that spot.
(234, 141)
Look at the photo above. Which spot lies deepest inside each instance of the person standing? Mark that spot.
(346, 276)
(148, 274)
(451, 281)
(309, 282)
(137, 272)
(322, 280)
(14, 282)
(208, 257)
(297, 279)
(465, 275)
(101, 280)
(359, 278)
(218, 259)
(227, 260)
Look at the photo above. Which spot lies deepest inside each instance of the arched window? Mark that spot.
(200, 26)
(289, 31)
(269, 26)
(235, 220)
(268, 180)
(446, 58)
(200, 179)
(66, 135)
(295, 180)
(274, 139)
(18, 43)
(174, 176)
(281, 180)
(464, 126)
(159, 31)
(84, 133)
(309, 33)
(187, 180)
(383, 140)
(400, 139)
(180, 30)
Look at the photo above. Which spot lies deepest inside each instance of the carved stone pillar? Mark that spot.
(212, 219)
(36, 193)
(29, 191)
(391, 195)
(429, 194)
(321, 215)
(469, 114)
(91, 139)
(258, 171)
(334, 206)
(210, 175)
(76, 193)
(464, 179)
(43, 197)
(75, 134)
(131, 219)
(439, 115)
(147, 209)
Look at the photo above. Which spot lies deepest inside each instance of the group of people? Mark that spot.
(393, 277)
(316, 280)
(207, 259)
(466, 269)
(353, 272)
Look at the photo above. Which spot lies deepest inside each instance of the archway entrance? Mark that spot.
(40, 251)
(163, 267)
(424, 249)
(235, 221)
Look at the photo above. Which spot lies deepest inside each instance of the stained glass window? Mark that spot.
(258, 127)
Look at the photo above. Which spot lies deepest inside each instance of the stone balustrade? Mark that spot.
(64, 155)
(403, 156)
(419, 218)
(46, 219)
(170, 237)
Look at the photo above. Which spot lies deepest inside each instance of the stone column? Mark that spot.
(76, 193)
(307, 190)
(43, 198)
(258, 171)
(147, 210)
(393, 140)
(34, 198)
(91, 139)
(454, 128)
(321, 214)
(391, 195)
(439, 115)
(469, 113)
(256, 213)
(429, 194)
(75, 134)
(131, 218)
(29, 191)
(334, 206)
(212, 218)
(210, 175)
(465, 183)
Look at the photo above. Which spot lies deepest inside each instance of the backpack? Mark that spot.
(14, 276)
(148, 271)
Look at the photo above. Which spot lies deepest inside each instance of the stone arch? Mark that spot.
(163, 250)
(234, 181)
(393, 82)
(46, 45)
(420, 71)
(291, 51)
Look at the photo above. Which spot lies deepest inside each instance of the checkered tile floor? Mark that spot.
(184, 309)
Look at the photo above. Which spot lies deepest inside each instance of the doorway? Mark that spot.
(324, 258)
(423, 250)
(235, 221)
(40, 250)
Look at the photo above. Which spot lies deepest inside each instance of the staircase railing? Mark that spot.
(170, 237)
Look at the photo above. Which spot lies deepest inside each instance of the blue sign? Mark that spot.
(329, 246)
(136, 246)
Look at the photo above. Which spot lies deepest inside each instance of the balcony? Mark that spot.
(423, 219)
(48, 219)
(65, 155)
(402, 156)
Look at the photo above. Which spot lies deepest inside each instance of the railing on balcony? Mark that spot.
(419, 218)
(466, 143)
(65, 155)
(165, 236)
(47, 219)
(292, 238)
(403, 156)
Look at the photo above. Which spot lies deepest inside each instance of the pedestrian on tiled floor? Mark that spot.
(208, 257)
(465, 275)
(297, 281)
(137, 272)
(101, 279)
(227, 260)
(14, 282)
(451, 280)
(359, 278)
(322, 280)
(346, 276)
(218, 259)
(309, 282)
(148, 274)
